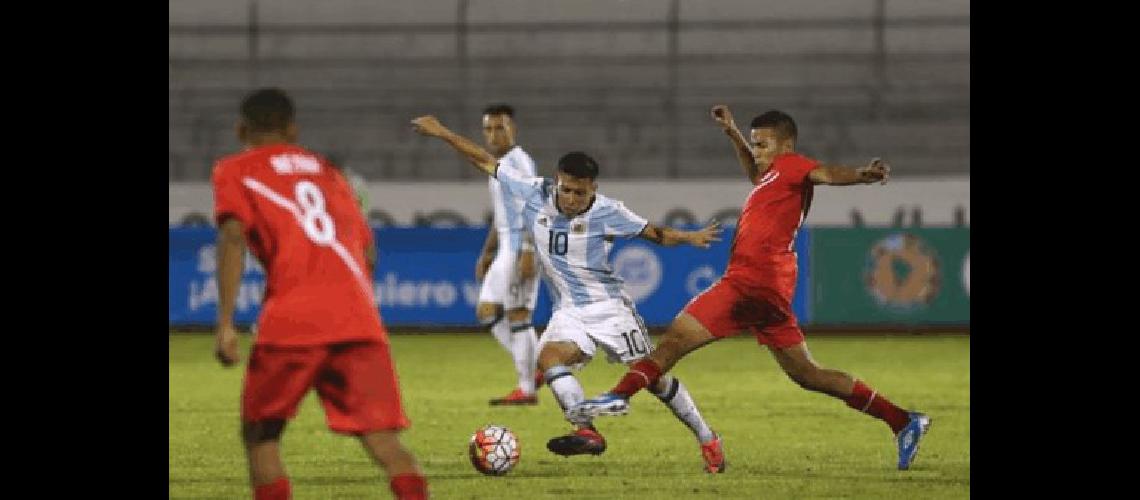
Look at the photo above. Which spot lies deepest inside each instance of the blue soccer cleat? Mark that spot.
(606, 404)
(909, 437)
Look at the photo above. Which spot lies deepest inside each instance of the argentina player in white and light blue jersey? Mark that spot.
(506, 266)
(573, 229)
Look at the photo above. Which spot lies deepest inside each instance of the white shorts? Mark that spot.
(614, 325)
(502, 284)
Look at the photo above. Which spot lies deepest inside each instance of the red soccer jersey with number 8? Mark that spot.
(303, 224)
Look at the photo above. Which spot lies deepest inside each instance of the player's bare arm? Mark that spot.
(490, 248)
(837, 175)
(723, 117)
(667, 236)
(231, 253)
(430, 126)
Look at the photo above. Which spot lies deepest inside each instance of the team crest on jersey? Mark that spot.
(542, 221)
(579, 228)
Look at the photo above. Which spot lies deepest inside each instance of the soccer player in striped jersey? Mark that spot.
(506, 265)
(573, 228)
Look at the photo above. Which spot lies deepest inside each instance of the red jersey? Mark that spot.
(302, 222)
(763, 250)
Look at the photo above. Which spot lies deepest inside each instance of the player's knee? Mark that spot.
(549, 358)
(260, 432)
(520, 315)
(488, 313)
(545, 363)
(558, 354)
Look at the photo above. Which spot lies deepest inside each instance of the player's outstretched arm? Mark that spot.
(723, 117)
(838, 175)
(667, 236)
(231, 253)
(430, 126)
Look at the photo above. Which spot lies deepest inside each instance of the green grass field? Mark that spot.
(781, 441)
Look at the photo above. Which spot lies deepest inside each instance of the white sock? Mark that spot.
(677, 398)
(566, 388)
(502, 332)
(524, 345)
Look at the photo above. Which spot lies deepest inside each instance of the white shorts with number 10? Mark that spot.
(614, 325)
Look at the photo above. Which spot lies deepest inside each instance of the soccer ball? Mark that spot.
(494, 450)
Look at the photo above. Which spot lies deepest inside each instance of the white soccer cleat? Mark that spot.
(607, 404)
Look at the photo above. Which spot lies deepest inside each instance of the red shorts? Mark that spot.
(355, 381)
(726, 309)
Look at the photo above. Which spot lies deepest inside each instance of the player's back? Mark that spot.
(303, 224)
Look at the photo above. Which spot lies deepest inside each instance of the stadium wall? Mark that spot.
(937, 201)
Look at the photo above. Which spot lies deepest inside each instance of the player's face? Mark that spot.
(574, 194)
(766, 144)
(499, 133)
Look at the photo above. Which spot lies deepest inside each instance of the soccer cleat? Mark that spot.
(909, 437)
(714, 456)
(516, 397)
(606, 404)
(580, 442)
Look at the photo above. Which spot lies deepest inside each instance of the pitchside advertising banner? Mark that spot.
(425, 277)
(890, 276)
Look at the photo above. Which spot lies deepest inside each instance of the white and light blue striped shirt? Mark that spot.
(508, 208)
(574, 252)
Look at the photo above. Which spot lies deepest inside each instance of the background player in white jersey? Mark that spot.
(506, 266)
(573, 228)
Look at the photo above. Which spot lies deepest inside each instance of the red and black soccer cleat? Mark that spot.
(579, 442)
(516, 397)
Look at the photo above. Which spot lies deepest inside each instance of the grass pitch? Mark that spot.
(781, 441)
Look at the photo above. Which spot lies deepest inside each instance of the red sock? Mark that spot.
(866, 400)
(409, 487)
(643, 373)
(277, 490)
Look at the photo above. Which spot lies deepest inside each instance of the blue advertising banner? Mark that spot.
(425, 277)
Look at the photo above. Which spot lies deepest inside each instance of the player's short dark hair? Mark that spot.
(578, 164)
(267, 110)
(499, 109)
(778, 120)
